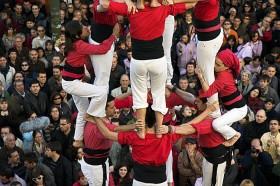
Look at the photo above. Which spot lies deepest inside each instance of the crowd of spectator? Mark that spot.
(37, 117)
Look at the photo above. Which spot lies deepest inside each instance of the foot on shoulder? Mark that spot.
(155, 3)
(89, 118)
(78, 143)
(232, 140)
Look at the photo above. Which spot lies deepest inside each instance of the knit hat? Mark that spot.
(230, 60)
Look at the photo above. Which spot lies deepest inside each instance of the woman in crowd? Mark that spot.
(9, 37)
(244, 49)
(248, 11)
(269, 107)
(187, 114)
(56, 100)
(42, 56)
(54, 116)
(255, 43)
(253, 100)
(255, 69)
(120, 176)
(26, 71)
(231, 44)
(245, 85)
(39, 143)
(49, 51)
(6, 117)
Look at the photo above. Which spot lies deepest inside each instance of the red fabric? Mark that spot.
(207, 7)
(267, 35)
(103, 17)
(207, 136)
(224, 85)
(147, 24)
(230, 60)
(151, 150)
(171, 101)
(79, 56)
(94, 139)
(77, 183)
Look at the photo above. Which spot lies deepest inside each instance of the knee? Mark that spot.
(215, 124)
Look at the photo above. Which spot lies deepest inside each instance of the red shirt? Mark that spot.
(207, 136)
(171, 101)
(224, 85)
(151, 150)
(103, 17)
(94, 139)
(147, 24)
(206, 10)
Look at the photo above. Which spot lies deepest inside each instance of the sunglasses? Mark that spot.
(41, 30)
(56, 98)
(117, 112)
(24, 65)
(38, 179)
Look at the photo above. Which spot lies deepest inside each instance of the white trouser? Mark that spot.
(139, 70)
(102, 65)
(81, 92)
(222, 124)
(94, 173)
(206, 55)
(167, 44)
(139, 183)
(207, 169)
(169, 168)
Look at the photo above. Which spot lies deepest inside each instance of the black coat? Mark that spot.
(38, 104)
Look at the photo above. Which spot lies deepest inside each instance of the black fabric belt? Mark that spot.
(149, 173)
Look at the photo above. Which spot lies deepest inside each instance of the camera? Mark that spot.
(254, 150)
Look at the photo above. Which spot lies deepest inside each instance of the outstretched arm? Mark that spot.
(105, 131)
(188, 97)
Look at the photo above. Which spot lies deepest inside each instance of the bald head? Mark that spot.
(260, 116)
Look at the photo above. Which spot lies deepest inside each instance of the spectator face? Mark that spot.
(231, 42)
(55, 113)
(114, 63)
(84, 9)
(237, 22)
(188, 18)
(3, 62)
(33, 116)
(5, 131)
(35, 88)
(39, 180)
(18, 9)
(83, 181)
(29, 165)
(57, 100)
(124, 81)
(271, 72)
(256, 63)
(30, 24)
(40, 53)
(14, 159)
(240, 41)
(263, 84)
(266, 22)
(4, 106)
(247, 7)
(19, 87)
(63, 94)
(41, 31)
(33, 55)
(90, 8)
(226, 25)
(190, 147)
(56, 73)
(260, 116)
(18, 42)
(10, 141)
(80, 153)
(256, 143)
(18, 76)
(268, 106)
(70, 8)
(13, 56)
(64, 126)
(4, 180)
(185, 39)
(274, 126)
(77, 4)
(78, 15)
(256, 37)
(62, 14)
(277, 25)
(272, 15)
(42, 78)
(190, 69)
(33, 33)
(38, 138)
(254, 93)
(27, 5)
(24, 66)
(222, 19)
(35, 10)
(129, 55)
(49, 153)
(243, 121)
(56, 61)
(116, 113)
(123, 172)
(183, 84)
(245, 77)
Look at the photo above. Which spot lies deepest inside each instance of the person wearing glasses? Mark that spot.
(41, 39)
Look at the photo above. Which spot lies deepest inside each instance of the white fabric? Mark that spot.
(207, 169)
(138, 183)
(139, 70)
(222, 124)
(80, 92)
(206, 55)
(169, 168)
(167, 44)
(94, 173)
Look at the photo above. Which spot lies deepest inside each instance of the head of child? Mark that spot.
(183, 83)
(3, 104)
(227, 60)
(185, 38)
(186, 111)
(264, 81)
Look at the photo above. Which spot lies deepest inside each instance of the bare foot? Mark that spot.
(140, 5)
(155, 3)
(232, 140)
(78, 143)
(89, 118)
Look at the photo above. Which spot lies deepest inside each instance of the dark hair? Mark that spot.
(252, 34)
(247, 60)
(257, 57)
(57, 67)
(68, 120)
(116, 174)
(35, 132)
(33, 82)
(50, 110)
(245, 38)
(272, 66)
(54, 95)
(8, 172)
(31, 157)
(72, 30)
(41, 48)
(265, 77)
(269, 58)
(54, 146)
(249, 4)
(11, 50)
(41, 72)
(10, 152)
(150, 117)
(15, 183)
(109, 99)
(255, 87)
